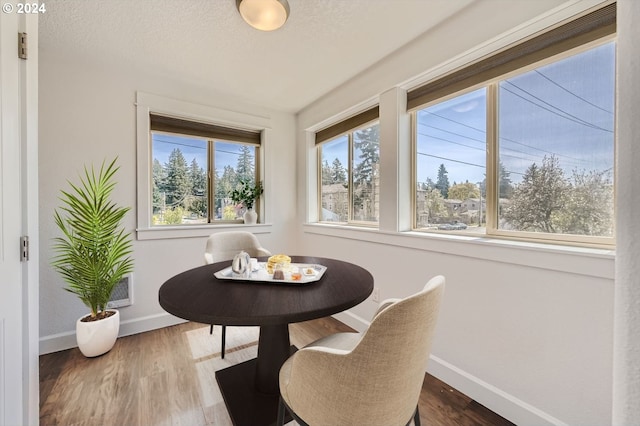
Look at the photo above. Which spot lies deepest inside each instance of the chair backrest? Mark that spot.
(393, 355)
(225, 245)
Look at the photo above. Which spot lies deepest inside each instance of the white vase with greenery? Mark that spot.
(93, 254)
(246, 193)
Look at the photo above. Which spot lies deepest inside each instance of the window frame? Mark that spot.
(210, 170)
(147, 104)
(347, 127)
(492, 153)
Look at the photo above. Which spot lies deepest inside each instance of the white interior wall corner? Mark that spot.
(626, 349)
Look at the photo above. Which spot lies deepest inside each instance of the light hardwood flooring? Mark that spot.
(166, 377)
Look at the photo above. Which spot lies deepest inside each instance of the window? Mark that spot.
(522, 144)
(349, 184)
(195, 168)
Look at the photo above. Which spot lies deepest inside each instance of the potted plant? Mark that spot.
(93, 254)
(246, 193)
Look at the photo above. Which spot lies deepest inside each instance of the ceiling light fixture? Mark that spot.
(265, 15)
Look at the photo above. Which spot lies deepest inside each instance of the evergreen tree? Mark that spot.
(178, 185)
(442, 184)
(428, 184)
(365, 172)
(338, 172)
(245, 167)
(198, 178)
(326, 173)
(159, 177)
(226, 184)
(506, 186)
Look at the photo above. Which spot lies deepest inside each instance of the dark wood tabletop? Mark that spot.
(250, 389)
(197, 295)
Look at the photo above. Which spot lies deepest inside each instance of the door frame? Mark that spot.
(28, 23)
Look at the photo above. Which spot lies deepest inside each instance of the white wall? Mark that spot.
(525, 329)
(87, 114)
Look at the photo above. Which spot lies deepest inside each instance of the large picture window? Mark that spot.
(195, 168)
(529, 153)
(349, 184)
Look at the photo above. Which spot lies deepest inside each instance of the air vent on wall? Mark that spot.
(122, 293)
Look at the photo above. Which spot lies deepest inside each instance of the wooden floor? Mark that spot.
(166, 377)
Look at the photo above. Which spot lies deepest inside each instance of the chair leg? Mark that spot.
(416, 417)
(211, 329)
(224, 338)
(281, 411)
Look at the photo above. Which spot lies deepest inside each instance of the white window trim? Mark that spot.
(147, 103)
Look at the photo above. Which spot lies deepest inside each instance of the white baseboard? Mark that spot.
(352, 320)
(498, 401)
(67, 340)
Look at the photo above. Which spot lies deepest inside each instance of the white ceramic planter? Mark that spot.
(250, 217)
(97, 337)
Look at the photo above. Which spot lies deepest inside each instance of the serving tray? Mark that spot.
(261, 275)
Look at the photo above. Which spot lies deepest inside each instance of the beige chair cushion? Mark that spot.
(372, 378)
(225, 245)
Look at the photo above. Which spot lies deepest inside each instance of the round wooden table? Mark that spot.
(250, 389)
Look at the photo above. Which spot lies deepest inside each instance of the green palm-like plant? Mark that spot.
(93, 254)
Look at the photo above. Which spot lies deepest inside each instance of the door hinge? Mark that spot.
(24, 248)
(22, 45)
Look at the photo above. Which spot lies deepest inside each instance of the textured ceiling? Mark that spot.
(323, 44)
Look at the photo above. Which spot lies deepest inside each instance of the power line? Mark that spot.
(567, 116)
(572, 93)
(501, 138)
(452, 160)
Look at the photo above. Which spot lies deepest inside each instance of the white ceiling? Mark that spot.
(323, 44)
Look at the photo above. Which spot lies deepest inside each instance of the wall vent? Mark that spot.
(122, 293)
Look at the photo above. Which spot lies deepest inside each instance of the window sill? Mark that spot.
(576, 260)
(195, 231)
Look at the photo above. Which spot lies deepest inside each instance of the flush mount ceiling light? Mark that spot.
(265, 15)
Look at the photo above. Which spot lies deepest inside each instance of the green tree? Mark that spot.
(506, 186)
(173, 216)
(326, 173)
(539, 199)
(338, 172)
(225, 184)
(434, 202)
(442, 184)
(198, 178)
(245, 168)
(178, 185)
(588, 209)
(428, 184)
(159, 177)
(463, 191)
(366, 143)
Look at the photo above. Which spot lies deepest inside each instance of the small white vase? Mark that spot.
(97, 337)
(250, 217)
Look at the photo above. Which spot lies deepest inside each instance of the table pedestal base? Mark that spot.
(247, 406)
(251, 389)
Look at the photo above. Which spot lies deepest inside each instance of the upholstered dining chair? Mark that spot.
(224, 246)
(374, 378)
